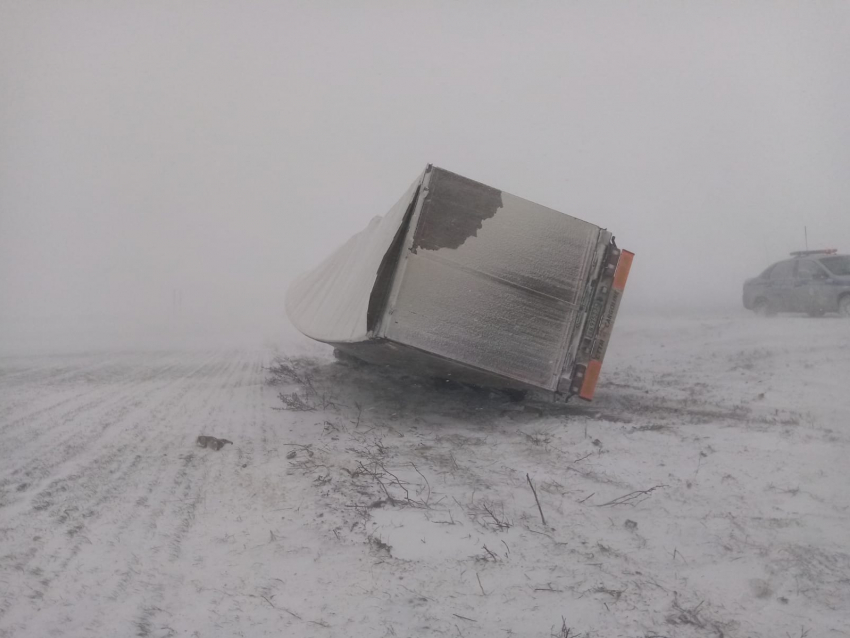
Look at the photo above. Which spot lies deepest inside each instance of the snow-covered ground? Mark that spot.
(704, 493)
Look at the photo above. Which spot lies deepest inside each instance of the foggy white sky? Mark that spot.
(222, 148)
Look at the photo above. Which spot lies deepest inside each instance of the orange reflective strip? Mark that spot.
(591, 376)
(623, 268)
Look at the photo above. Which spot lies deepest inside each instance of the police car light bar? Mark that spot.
(805, 253)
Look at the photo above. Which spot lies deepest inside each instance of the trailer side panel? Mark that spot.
(491, 280)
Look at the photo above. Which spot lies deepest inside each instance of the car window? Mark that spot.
(782, 270)
(807, 270)
(838, 265)
(766, 273)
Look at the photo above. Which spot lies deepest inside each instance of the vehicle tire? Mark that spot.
(844, 306)
(762, 308)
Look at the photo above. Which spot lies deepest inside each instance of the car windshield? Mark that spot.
(837, 265)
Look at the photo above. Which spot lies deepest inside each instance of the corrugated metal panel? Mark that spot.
(492, 280)
(331, 303)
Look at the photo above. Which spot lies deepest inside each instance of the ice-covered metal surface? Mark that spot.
(491, 280)
(331, 303)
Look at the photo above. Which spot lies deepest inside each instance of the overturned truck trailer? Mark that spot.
(463, 281)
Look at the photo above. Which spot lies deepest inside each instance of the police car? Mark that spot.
(812, 281)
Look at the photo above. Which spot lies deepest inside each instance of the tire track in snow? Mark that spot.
(192, 490)
(15, 394)
(34, 465)
(180, 502)
(106, 387)
(28, 443)
(146, 533)
(149, 468)
(212, 470)
(96, 483)
(104, 536)
(38, 371)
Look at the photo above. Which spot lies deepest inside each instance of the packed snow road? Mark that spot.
(704, 493)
